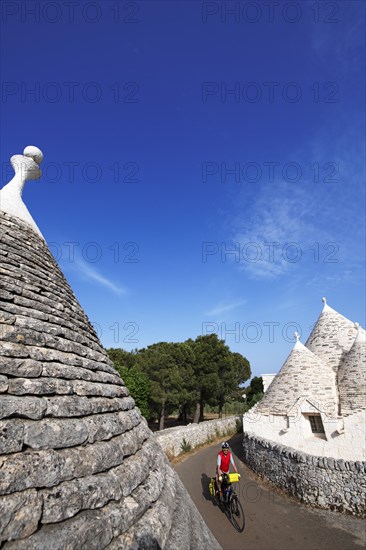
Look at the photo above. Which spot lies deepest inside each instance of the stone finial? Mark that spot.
(34, 153)
(326, 308)
(26, 167)
(298, 345)
(357, 326)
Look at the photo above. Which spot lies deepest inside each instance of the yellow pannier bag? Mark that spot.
(233, 478)
(212, 486)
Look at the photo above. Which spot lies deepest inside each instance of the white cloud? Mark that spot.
(89, 273)
(275, 230)
(221, 308)
(324, 218)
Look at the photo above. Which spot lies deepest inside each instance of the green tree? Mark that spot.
(158, 363)
(188, 394)
(211, 355)
(218, 373)
(232, 373)
(254, 391)
(138, 385)
(256, 398)
(122, 357)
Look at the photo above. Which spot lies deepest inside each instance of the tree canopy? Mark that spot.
(254, 391)
(182, 376)
(138, 385)
(218, 372)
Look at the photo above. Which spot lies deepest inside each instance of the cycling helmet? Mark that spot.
(225, 445)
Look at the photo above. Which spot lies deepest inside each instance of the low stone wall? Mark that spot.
(171, 439)
(322, 481)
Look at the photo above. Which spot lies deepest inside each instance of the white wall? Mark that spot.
(295, 432)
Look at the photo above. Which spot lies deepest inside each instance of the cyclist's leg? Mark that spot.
(218, 483)
(225, 486)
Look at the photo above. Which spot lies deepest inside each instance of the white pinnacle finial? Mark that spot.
(326, 308)
(34, 153)
(26, 167)
(357, 325)
(298, 345)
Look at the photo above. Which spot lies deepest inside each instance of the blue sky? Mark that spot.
(204, 162)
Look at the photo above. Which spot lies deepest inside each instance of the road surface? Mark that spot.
(272, 520)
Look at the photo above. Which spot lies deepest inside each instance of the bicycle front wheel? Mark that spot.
(237, 514)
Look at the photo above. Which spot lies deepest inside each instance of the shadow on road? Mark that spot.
(205, 481)
(236, 446)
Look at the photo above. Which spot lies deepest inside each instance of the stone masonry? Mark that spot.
(302, 373)
(352, 377)
(332, 337)
(172, 440)
(321, 481)
(307, 434)
(79, 467)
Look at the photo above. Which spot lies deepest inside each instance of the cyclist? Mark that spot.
(224, 459)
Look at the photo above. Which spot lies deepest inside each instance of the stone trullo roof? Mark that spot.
(332, 336)
(302, 375)
(79, 467)
(352, 377)
(330, 370)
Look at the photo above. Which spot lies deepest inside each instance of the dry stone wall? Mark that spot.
(79, 467)
(322, 481)
(173, 440)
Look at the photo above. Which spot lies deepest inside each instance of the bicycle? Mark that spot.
(230, 502)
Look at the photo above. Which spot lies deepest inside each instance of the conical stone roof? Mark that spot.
(79, 467)
(302, 375)
(352, 377)
(332, 337)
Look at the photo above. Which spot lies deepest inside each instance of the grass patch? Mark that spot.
(185, 446)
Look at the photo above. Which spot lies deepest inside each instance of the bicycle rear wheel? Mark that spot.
(237, 514)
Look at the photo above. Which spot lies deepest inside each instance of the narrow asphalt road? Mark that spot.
(272, 521)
